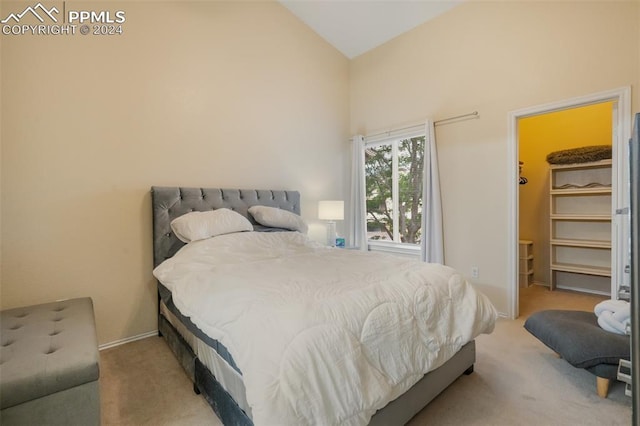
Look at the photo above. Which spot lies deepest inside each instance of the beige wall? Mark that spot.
(237, 94)
(493, 57)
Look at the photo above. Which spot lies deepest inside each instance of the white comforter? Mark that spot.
(323, 336)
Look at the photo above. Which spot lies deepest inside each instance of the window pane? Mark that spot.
(410, 167)
(378, 180)
(379, 187)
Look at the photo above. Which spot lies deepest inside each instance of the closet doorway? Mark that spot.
(538, 137)
(600, 119)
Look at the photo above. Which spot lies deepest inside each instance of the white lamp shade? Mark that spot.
(331, 210)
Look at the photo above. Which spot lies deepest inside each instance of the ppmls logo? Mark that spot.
(33, 11)
(41, 20)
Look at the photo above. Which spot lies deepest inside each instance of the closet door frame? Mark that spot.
(621, 132)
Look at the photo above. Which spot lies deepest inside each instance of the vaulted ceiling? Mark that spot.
(356, 26)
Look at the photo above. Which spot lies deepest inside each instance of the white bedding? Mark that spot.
(323, 336)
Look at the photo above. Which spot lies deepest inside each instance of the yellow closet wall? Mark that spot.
(538, 136)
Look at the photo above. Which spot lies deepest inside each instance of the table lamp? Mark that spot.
(331, 211)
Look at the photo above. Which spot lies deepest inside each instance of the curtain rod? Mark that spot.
(474, 113)
(388, 132)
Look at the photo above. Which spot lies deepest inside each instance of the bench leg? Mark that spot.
(602, 386)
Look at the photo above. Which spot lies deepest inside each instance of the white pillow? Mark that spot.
(278, 218)
(196, 226)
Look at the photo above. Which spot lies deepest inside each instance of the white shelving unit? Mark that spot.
(525, 253)
(580, 221)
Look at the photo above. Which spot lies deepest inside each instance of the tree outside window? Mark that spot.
(393, 176)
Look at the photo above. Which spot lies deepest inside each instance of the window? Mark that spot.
(393, 182)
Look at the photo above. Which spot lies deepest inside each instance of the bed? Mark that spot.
(232, 371)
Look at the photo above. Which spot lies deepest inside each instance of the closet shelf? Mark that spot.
(581, 243)
(601, 271)
(585, 290)
(583, 166)
(603, 190)
(589, 217)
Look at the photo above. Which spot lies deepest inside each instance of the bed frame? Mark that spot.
(171, 202)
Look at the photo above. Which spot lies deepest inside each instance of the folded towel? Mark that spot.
(623, 314)
(610, 305)
(614, 315)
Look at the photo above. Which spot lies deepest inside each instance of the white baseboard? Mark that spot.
(127, 340)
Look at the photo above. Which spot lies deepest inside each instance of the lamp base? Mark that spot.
(331, 234)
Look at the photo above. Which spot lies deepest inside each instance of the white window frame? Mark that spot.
(393, 138)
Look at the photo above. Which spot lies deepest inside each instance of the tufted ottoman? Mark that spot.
(577, 337)
(49, 365)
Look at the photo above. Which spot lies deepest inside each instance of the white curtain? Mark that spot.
(432, 238)
(357, 205)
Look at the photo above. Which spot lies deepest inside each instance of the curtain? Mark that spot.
(357, 205)
(432, 238)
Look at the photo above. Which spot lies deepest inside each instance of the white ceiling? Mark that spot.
(356, 26)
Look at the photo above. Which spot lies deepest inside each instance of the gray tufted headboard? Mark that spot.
(171, 202)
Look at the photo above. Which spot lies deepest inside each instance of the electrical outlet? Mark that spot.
(475, 272)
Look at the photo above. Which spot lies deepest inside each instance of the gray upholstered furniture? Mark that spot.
(49, 365)
(577, 337)
(172, 202)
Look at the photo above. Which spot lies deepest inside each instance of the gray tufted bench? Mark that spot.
(577, 337)
(49, 365)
